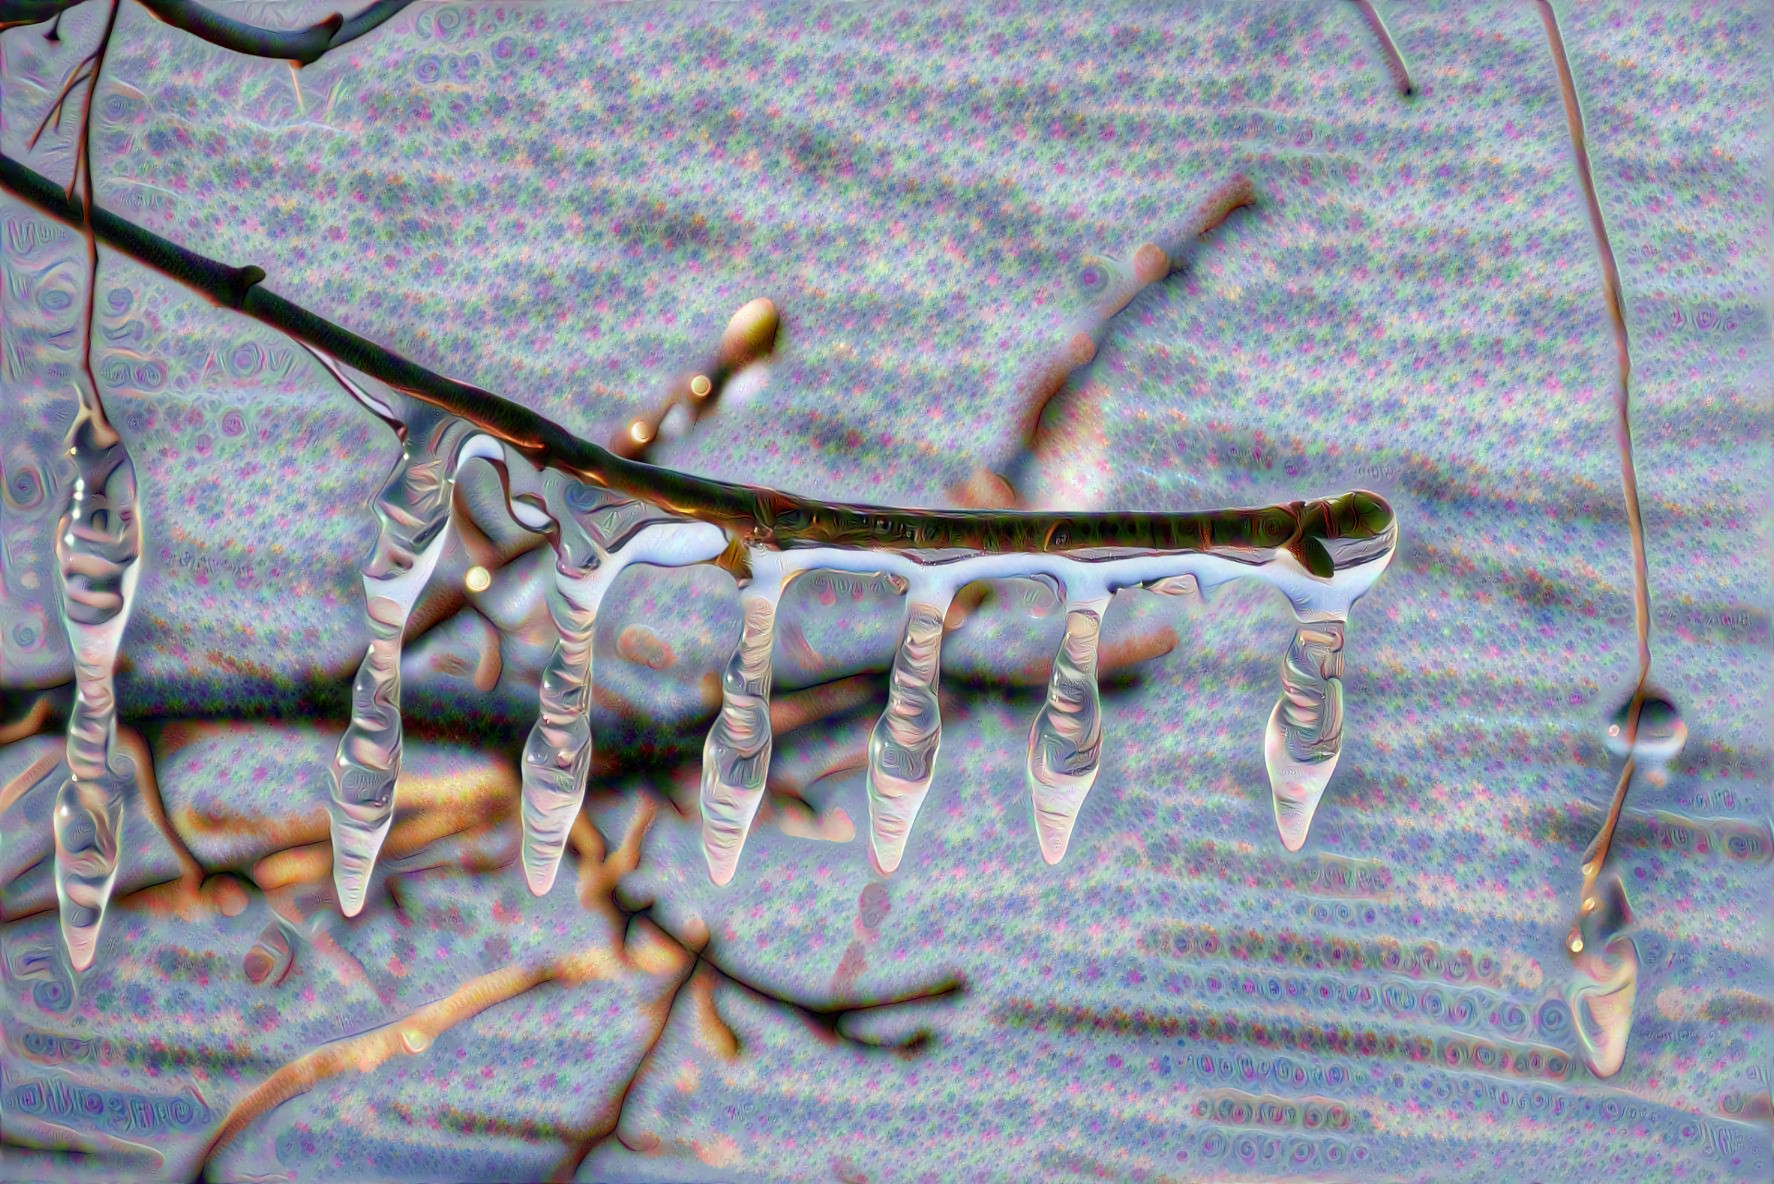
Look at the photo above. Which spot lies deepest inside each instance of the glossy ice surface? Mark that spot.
(1109, 946)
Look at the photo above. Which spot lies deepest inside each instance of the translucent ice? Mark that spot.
(98, 548)
(414, 511)
(1305, 732)
(557, 754)
(1065, 741)
(903, 746)
(736, 756)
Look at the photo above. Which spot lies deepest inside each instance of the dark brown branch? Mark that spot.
(760, 516)
(301, 46)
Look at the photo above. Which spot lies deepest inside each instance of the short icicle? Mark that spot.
(736, 756)
(414, 510)
(1305, 731)
(903, 746)
(1065, 741)
(98, 548)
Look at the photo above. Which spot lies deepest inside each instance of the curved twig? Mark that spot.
(302, 46)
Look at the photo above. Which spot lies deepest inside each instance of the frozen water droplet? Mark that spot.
(557, 754)
(269, 960)
(1660, 735)
(97, 568)
(88, 834)
(1604, 978)
(1065, 741)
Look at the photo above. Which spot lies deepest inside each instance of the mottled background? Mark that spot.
(565, 203)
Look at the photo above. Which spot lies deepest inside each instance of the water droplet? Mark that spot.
(1661, 732)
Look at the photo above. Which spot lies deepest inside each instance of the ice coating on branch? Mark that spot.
(736, 756)
(414, 511)
(1065, 741)
(98, 548)
(1305, 731)
(903, 746)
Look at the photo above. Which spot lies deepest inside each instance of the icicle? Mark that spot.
(414, 510)
(1065, 741)
(558, 751)
(736, 756)
(903, 746)
(1305, 732)
(98, 548)
(1604, 985)
(557, 754)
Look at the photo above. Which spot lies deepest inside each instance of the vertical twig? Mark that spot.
(1597, 854)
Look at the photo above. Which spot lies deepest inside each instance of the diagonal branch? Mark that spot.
(302, 46)
(762, 517)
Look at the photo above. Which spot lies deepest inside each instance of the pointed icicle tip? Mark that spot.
(540, 879)
(1056, 836)
(1297, 786)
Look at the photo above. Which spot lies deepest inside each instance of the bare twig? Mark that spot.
(302, 46)
(75, 77)
(1597, 854)
(1401, 75)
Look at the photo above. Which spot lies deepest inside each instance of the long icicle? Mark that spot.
(414, 510)
(1065, 739)
(904, 743)
(595, 537)
(98, 547)
(557, 754)
(736, 755)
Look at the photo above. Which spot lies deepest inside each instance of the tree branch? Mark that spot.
(758, 516)
(302, 46)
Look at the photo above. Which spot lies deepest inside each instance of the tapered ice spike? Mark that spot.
(98, 547)
(1065, 741)
(557, 755)
(414, 510)
(88, 831)
(736, 756)
(558, 751)
(1604, 980)
(1305, 732)
(903, 746)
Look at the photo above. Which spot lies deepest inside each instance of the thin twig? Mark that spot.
(1597, 854)
(302, 46)
(83, 174)
(55, 110)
